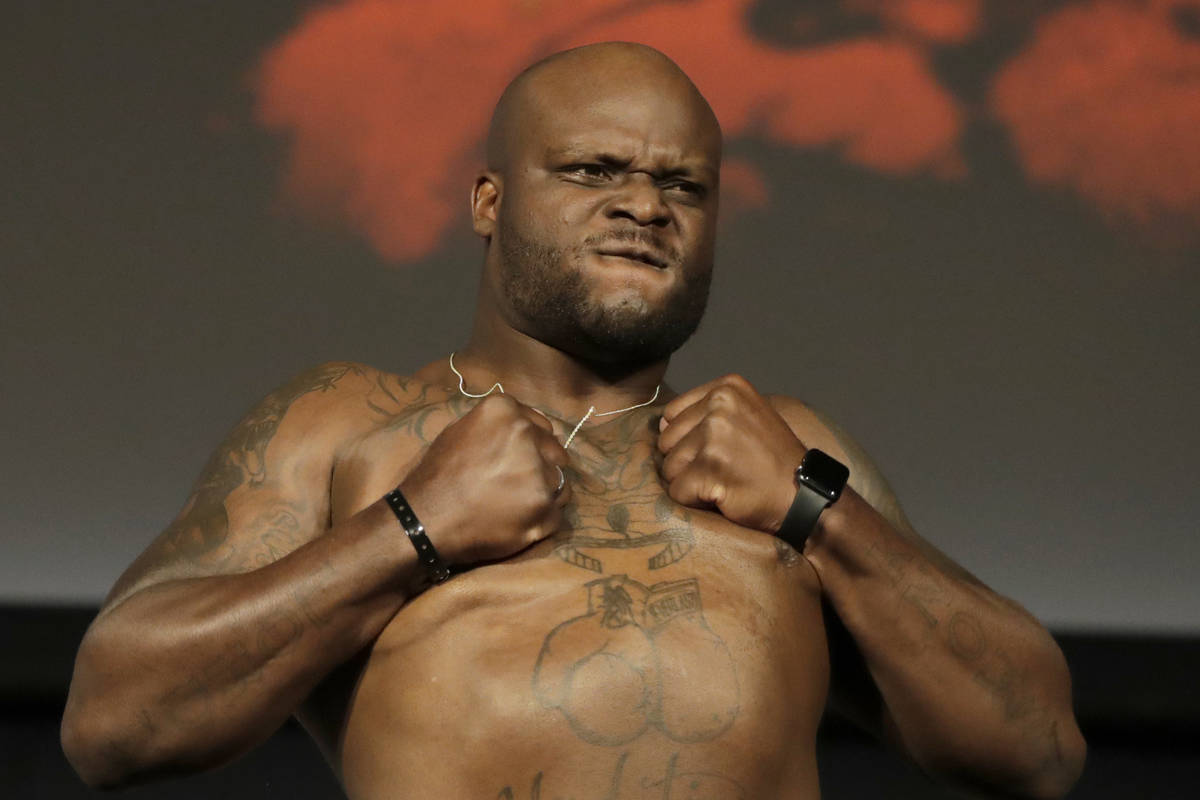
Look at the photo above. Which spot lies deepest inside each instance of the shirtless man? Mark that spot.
(621, 620)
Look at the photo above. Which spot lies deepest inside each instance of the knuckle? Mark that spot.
(521, 426)
(675, 464)
(494, 405)
(722, 397)
(717, 423)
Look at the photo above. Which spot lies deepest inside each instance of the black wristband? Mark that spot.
(435, 568)
(801, 518)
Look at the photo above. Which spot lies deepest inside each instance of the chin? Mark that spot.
(632, 333)
(598, 316)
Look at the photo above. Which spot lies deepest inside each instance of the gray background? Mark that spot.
(1024, 373)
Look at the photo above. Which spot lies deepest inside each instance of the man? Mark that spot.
(626, 617)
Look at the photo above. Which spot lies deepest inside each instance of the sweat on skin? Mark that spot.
(637, 632)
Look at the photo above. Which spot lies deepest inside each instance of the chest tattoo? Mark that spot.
(619, 502)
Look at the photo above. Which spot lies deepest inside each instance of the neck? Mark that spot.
(549, 379)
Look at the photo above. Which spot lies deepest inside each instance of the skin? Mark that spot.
(638, 634)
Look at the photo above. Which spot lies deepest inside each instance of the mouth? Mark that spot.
(641, 255)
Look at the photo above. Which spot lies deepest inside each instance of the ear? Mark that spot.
(485, 203)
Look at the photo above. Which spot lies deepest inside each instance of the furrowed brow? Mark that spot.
(694, 172)
(581, 153)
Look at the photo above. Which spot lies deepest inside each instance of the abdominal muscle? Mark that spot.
(535, 679)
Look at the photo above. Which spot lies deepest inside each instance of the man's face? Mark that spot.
(606, 224)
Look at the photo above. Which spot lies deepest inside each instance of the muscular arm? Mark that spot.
(221, 628)
(231, 618)
(961, 679)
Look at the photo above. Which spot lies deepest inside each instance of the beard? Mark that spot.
(545, 285)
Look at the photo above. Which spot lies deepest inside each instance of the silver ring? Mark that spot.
(562, 480)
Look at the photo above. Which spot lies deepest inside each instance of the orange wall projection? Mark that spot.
(1105, 101)
(384, 101)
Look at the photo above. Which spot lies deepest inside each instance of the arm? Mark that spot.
(234, 614)
(220, 628)
(963, 681)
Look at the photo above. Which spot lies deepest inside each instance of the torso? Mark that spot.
(645, 651)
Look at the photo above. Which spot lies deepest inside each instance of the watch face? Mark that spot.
(823, 474)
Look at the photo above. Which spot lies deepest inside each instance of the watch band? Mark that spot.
(802, 517)
(435, 568)
(820, 479)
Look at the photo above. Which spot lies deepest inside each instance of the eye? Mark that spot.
(592, 172)
(686, 188)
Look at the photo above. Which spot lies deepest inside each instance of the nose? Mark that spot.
(641, 201)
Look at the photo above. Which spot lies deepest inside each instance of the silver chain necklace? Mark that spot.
(591, 412)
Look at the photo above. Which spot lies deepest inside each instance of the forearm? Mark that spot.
(974, 688)
(188, 674)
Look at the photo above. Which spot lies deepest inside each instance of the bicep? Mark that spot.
(263, 493)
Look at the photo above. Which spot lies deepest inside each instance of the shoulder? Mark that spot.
(818, 429)
(866, 479)
(330, 383)
(342, 396)
(813, 428)
(317, 413)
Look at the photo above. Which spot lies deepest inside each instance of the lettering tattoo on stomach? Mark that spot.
(673, 785)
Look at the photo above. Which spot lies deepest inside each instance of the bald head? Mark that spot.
(599, 205)
(591, 74)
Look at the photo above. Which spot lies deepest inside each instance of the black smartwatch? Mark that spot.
(820, 479)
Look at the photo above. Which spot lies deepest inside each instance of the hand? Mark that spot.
(487, 487)
(727, 447)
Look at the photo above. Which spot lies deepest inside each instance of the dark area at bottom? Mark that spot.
(1133, 766)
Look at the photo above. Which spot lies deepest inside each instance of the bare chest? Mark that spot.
(644, 639)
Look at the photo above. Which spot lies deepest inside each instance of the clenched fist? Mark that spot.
(488, 486)
(727, 448)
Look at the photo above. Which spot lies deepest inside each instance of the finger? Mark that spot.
(537, 418)
(550, 525)
(695, 489)
(554, 522)
(689, 398)
(681, 457)
(683, 424)
(565, 496)
(551, 450)
(694, 395)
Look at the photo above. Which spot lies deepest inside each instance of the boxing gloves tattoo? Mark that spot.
(640, 657)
